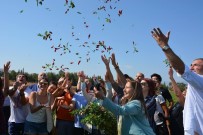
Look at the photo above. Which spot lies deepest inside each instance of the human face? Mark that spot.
(144, 85)
(139, 77)
(184, 93)
(43, 84)
(72, 90)
(21, 79)
(156, 81)
(51, 88)
(128, 91)
(42, 76)
(197, 66)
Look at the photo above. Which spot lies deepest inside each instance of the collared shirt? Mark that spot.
(193, 108)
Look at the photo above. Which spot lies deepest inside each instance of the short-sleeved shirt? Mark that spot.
(159, 100)
(19, 112)
(165, 93)
(62, 113)
(80, 102)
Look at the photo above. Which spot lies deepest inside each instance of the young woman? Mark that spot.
(148, 90)
(161, 113)
(132, 114)
(36, 120)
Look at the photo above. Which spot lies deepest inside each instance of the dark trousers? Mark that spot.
(80, 131)
(6, 110)
(16, 128)
(161, 129)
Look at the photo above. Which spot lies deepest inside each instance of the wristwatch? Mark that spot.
(165, 48)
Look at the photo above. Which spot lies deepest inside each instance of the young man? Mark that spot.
(18, 96)
(193, 109)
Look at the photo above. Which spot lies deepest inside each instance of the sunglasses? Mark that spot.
(43, 83)
(144, 84)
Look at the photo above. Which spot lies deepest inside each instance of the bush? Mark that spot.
(98, 116)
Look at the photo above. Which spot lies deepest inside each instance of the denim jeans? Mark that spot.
(15, 128)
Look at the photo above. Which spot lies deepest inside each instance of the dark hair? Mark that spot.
(99, 87)
(151, 86)
(53, 82)
(138, 95)
(128, 77)
(158, 76)
(198, 59)
(1, 84)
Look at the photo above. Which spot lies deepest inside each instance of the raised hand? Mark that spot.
(160, 38)
(16, 85)
(22, 88)
(66, 74)
(105, 60)
(7, 66)
(113, 60)
(81, 76)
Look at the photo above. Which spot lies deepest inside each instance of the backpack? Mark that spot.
(150, 103)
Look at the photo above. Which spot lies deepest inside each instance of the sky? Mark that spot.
(82, 27)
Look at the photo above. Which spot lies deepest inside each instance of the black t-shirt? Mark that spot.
(165, 93)
(176, 120)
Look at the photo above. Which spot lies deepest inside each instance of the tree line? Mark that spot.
(32, 77)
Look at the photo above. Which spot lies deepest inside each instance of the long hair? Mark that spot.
(151, 86)
(137, 94)
(1, 84)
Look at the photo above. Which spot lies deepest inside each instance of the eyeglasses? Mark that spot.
(43, 83)
(198, 65)
(144, 84)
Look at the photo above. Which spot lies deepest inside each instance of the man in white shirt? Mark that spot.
(193, 109)
(18, 96)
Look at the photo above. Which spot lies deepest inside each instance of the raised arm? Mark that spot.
(162, 41)
(6, 79)
(81, 80)
(118, 71)
(81, 73)
(108, 87)
(65, 79)
(175, 88)
(115, 86)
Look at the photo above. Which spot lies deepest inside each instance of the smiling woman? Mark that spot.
(40, 101)
(132, 114)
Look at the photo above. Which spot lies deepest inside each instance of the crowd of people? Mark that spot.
(141, 105)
